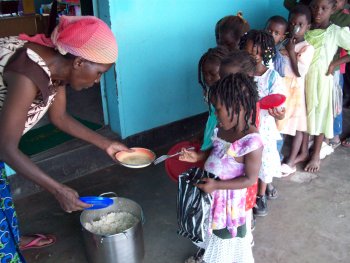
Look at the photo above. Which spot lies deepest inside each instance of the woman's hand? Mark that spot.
(330, 70)
(116, 147)
(189, 156)
(278, 113)
(69, 199)
(207, 185)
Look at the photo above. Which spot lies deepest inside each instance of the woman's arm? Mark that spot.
(21, 93)
(63, 121)
(252, 163)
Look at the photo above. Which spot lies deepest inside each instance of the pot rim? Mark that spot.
(140, 219)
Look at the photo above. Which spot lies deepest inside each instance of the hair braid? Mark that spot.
(240, 59)
(236, 92)
(262, 39)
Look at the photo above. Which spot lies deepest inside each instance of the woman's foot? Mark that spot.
(313, 165)
(36, 241)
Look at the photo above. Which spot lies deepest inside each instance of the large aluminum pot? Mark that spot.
(125, 247)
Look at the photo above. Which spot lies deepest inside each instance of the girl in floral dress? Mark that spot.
(236, 160)
(261, 46)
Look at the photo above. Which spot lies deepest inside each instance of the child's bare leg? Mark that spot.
(261, 188)
(296, 144)
(314, 163)
(304, 149)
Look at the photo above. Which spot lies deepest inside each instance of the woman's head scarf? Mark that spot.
(83, 36)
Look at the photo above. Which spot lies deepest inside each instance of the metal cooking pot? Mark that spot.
(127, 246)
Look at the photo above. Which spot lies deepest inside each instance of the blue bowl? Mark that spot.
(97, 202)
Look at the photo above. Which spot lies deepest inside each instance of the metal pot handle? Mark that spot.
(109, 193)
(143, 219)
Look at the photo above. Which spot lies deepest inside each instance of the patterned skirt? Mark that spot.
(9, 233)
(225, 249)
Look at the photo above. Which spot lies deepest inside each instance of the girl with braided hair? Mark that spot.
(230, 29)
(208, 67)
(236, 160)
(260, 44)
(208, 74)
(229, 63)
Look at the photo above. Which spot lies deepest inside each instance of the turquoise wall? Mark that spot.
(160, 43)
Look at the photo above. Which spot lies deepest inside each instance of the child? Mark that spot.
(260, 44)
(341, 18)
(277, 27)
(237, 61)
(236, 160)
(326, 39)
(208, 74)
(229, 30)
(242, 61)
(298, 54)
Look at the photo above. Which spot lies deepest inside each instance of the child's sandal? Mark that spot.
(197, 258)
(346, 142)
(271, 192)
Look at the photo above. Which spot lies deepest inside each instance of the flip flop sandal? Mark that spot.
(346, 142)
(286, 170)
(35, 242)
(335, 144)
(271, 193)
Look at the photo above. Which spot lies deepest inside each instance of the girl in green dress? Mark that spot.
(326, 38)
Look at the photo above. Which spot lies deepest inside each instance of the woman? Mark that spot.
(34, 73)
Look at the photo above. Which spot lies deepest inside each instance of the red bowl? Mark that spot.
(272, 101)
(174, 167)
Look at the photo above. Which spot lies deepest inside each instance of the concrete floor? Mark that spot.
(308, 223)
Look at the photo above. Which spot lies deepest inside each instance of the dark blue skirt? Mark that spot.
(9, 233)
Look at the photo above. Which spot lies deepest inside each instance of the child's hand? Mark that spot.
(207, 185)
(331, 69)
(278, 113)
(189, 156)
(290, 47)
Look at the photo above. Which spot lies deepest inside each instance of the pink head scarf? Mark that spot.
(83, 36)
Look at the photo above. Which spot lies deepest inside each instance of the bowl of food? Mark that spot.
(138, 158)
